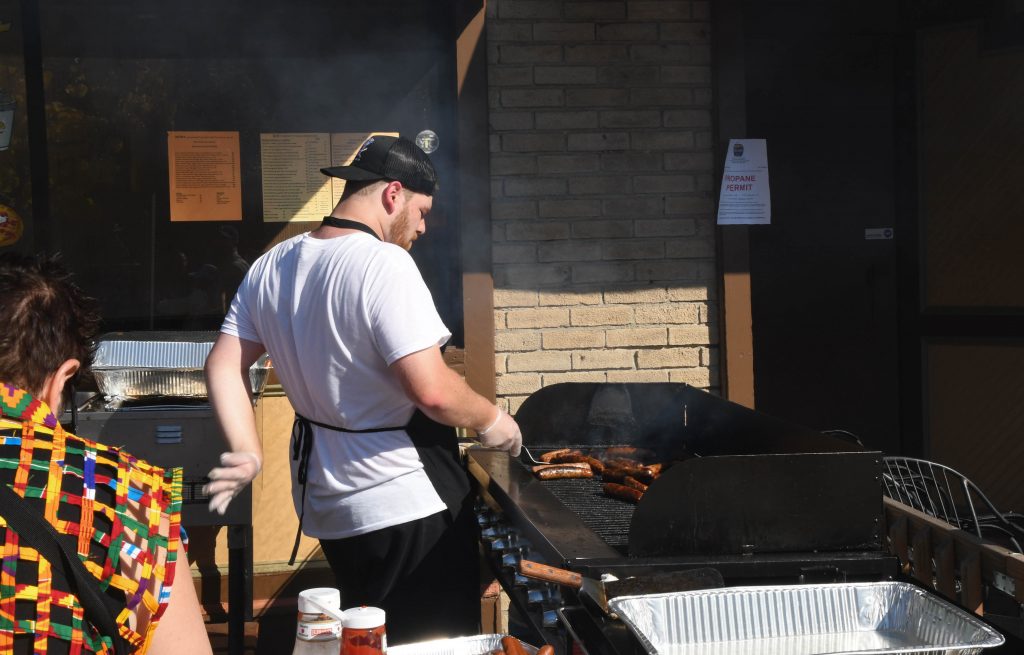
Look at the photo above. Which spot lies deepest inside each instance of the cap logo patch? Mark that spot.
(366, 145)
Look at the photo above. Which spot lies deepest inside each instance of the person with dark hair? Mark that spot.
(90, 536)
(355, 340)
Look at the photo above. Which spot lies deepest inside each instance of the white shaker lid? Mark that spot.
(326, 596)
(363, 618)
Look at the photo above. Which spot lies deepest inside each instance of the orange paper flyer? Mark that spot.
(204, 177)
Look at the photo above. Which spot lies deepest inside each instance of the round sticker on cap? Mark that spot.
(427, 141)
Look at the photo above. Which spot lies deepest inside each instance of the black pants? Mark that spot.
(424, 574)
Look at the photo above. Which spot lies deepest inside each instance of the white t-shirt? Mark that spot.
(333, 314)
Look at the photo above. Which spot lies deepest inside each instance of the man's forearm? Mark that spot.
(227, 380)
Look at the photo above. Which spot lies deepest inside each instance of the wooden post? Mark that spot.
(922, 557)
(971, 588)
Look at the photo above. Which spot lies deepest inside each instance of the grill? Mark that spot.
(762, 500)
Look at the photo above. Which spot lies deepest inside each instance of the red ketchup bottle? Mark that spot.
(362, 632)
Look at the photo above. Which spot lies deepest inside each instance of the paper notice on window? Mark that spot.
(745, 198)
(294, 189)
(203, 171)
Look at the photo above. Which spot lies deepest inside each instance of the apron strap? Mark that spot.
(302, 446)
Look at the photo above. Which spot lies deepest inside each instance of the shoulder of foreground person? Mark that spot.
(103, 494)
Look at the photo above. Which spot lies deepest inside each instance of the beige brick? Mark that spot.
(539, 361)
(562, 298)
(573, 339)
(518, 341)
(667, 358)
(688, 293)
(642, 294)
(650, 375)
(517, 383)
(586, 273)
(515, 298)
(634, 249)
(668, 270)
(637, 337)
(526, 276)
(663, 313)
(499, 320)
(709, 357)
(513, 403)
(601, 315)
(514, 253)
(691, 335)
(574, 376)
(603, 359)
(695, 377)
(500, 363)
(537, 318)
(690, 248)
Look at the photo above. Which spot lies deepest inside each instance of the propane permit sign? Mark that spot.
(745, 198)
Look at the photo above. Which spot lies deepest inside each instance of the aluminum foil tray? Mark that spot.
(146, 364)
(476, 645)
(875, 617)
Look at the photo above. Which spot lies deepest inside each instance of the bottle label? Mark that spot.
(317, 627)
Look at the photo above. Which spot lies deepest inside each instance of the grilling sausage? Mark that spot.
(546, 649)
(551, 454)
(633, 483)
(563, 471)
(571, 458)
(541, 467)
(622, 491)
(512, 646)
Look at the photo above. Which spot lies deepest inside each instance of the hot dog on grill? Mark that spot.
(633, 483)
(562, 471)
(551, 454)
(541, 467)
(571, 456)
(594, 463)
(622, 491)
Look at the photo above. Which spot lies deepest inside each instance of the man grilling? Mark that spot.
(355, 340)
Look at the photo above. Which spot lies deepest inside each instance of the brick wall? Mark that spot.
(601, 180)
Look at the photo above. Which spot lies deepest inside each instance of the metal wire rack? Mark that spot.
(946, 494)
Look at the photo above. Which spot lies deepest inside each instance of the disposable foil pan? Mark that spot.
(146, 364)
(875, 617)
(476, 645)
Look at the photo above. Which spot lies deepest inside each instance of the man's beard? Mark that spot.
(399, 230)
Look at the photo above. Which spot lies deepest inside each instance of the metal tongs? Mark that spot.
(524, 454)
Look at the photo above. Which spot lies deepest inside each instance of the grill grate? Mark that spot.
(609, 518)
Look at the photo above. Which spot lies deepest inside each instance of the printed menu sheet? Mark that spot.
(745, 198)
(294, 189)
(204, 178)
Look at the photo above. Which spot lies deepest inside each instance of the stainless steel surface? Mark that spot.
(144, 364)
(877, 617)
(476, 645)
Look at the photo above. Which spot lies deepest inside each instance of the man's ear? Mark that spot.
(392, 196)
(53, 388)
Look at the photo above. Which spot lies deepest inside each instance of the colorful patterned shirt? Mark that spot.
(124, 513)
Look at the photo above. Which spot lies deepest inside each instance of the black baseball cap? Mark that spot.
(389, 158)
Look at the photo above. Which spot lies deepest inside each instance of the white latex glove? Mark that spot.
(228, 480)
(503, 433)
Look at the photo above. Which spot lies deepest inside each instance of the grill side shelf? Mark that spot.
(552, 529)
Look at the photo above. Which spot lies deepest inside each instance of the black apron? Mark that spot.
(436, 444)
